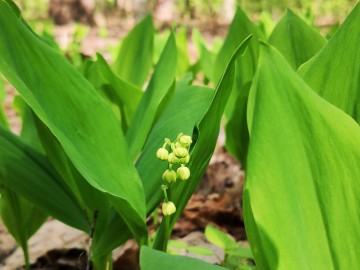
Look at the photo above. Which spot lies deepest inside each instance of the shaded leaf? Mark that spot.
(29, 174)
(20, 217)
(3, 119)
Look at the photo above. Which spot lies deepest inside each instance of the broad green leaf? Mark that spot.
(266, 23)
(219, 238)
(28, 134)
(160, 39)
(91, 199)
(204, 139)
(30, 175)
(245, 69)
(153, 259)
(19, 215)
(334, 72)
(134, 60)
(301, 198)
(175, 119)
(182, 51)
(207, 62)
(77, 116)
(124, 94)
(240, 28)
(295, 39)
(237, 134)
(206, 56)
(3, 118)
(155, 99)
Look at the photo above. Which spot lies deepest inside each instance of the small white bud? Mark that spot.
(185, 160)
(168, 208)
(185, 140)
(173, 159)
(183, 173)
(180, 152)
(162, 154)
(169, 176)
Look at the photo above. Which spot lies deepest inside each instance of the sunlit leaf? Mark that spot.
(334, 73)
(301, 198)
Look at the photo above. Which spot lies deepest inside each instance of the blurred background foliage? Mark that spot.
(330, 10)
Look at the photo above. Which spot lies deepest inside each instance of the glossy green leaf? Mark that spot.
(134, 60)
(124, 94)
(156, 97)
(29, 174)
(295, 39)
(204, 139)
(153, 259)
(334, 72)
(86, 128)
(91, 199)
(182, 51)
(301, 198)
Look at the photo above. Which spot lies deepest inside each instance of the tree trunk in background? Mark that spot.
(65, 11)
(228, 10)
(139, 9)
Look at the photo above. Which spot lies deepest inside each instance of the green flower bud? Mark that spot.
(168, 208)
(185, 140)
(169, 176)
(180, 152)
(185, 160)
(173, 159)
(162, 154)
(183, 173)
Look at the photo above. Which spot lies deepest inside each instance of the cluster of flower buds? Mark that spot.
(178, 157)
